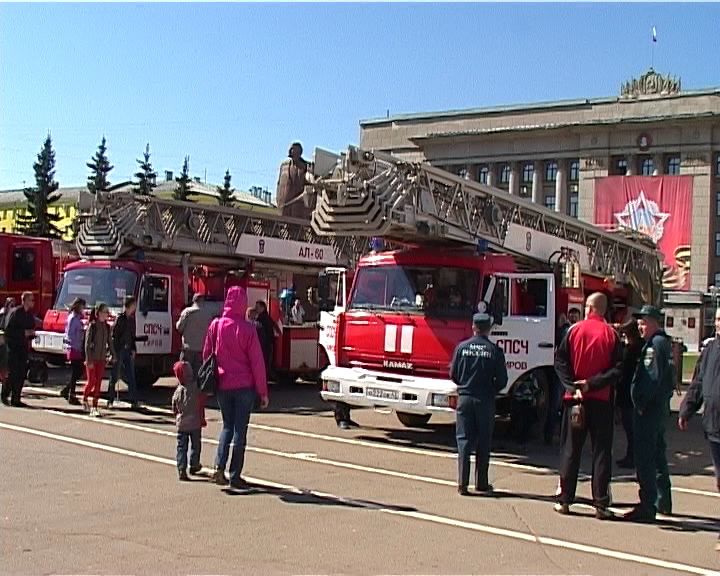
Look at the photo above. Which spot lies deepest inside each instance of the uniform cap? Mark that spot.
(481, 318)
(649, 311)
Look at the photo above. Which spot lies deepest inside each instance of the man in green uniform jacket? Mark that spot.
(651, 390)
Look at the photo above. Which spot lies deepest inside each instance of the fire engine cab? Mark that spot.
(456, 247)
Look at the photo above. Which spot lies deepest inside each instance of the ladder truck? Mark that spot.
(463, 247)
(163, 251)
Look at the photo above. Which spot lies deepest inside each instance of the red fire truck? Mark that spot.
(163, 251)
(465, 246)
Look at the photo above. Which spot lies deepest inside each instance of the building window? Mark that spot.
(717, 279)
(551, 168)
(504, 174)
(717, 247)
(619, 165)
(717, 165)
(669, 322)
(574, 172)
(527, 172)
(550, 201)
(647, 166)
(483, 175)
(717, 203)
(573, 204)
(691, 322)
(672, 165)
(23, 265)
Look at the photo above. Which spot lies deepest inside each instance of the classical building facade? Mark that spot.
(554, 153)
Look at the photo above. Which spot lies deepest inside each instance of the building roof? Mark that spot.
(72, 194)
(574, 104)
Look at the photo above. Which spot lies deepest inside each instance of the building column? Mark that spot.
(658, 165)
(631, 160)
(561, 192)
(491, 174)
(537, 188)
(514, 184)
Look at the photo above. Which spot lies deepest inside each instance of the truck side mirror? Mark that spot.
(325, 302)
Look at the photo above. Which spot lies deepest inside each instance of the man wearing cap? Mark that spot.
(588, 362)
(651, 390)
(478, 369)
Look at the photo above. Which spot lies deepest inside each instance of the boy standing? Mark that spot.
(188, 405)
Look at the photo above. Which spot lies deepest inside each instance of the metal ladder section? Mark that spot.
(375, 194)
(120, 222)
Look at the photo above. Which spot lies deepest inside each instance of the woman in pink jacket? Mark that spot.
(241, 378)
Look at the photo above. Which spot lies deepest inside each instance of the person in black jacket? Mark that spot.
(19, 332)
(479, 371)
(124, 348)
(632, 346)
(705, 389)
(267, 335)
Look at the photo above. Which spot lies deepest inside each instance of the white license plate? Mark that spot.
(382, 394)
(49, 342)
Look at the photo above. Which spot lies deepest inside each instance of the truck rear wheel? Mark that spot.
(413, 420)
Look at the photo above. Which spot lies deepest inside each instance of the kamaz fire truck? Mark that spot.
(163, 251)
(458, 245)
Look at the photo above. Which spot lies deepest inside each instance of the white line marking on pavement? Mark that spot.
(443, 520)
(379, 446)
(313, 458)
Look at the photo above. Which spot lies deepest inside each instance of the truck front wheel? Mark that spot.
(413, 420)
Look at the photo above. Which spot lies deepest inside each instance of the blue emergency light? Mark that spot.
(482, 246)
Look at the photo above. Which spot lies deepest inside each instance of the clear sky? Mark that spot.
(231, 85)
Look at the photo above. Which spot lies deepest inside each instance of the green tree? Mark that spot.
(226, 195)
(99, 169)
(39, 221)
(184, 190)
(145, 175)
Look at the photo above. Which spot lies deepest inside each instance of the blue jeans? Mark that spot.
(235, 407)
(194, 438)
(125, 362)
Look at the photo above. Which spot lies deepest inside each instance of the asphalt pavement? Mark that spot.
(101, 496)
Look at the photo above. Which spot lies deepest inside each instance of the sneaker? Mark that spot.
(110, 404)
(96, 413)
(72, 400)
(65, 393)
(6, 400)
(219, 478)
(561, 508)
(196, 469)
(640, 514)
(604, 514)
(463, 491)
(664, 506)
(182, 476)
(239, 484)
(85, 406)
(344, 425)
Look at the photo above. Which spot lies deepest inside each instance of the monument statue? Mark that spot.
(291, 184)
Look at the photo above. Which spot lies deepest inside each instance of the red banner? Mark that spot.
(659, 206)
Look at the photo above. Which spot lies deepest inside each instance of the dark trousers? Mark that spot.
(522, 416)
(626, 414)
(76, 370)
(341, 412)
(474, 430)
(599, 423)
(126, 363)
(194, 439)
(17, 371)
(194, 358)
(651, 464)
(554, 407)
(235, 407)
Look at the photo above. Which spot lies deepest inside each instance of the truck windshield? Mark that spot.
(94, 285)
(439, 292)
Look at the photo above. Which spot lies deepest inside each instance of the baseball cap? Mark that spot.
(649, 311)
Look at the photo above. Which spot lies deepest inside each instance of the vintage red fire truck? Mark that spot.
(466, 246)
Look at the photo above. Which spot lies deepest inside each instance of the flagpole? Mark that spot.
(652, 48)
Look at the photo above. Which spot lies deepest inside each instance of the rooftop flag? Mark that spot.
(654, 34)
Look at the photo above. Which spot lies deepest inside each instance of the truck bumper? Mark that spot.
(51, 343)
(399, 392)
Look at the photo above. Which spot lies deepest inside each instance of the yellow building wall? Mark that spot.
(8, 218)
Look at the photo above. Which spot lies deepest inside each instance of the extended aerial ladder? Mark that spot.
(366, 194)
(117, 224)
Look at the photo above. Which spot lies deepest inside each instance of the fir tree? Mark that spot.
(225, 193)
(184, 190)
(99, 169)
(145, 176)
(39, 221)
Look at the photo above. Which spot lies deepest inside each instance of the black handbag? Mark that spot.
(208, 373)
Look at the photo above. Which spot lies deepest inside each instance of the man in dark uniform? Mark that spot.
(19, 332)
(478, 369)
(651, 390)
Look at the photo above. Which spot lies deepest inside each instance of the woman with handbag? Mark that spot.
(74, 341)
(232, 351)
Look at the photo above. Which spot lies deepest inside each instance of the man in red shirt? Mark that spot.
(587, 362)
